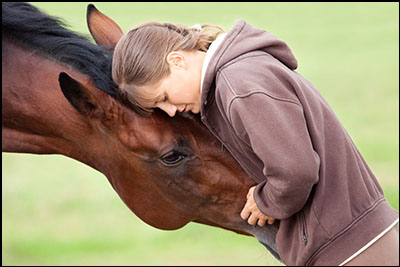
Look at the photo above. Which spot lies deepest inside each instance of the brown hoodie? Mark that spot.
(279, 128)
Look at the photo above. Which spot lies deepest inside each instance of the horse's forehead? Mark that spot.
(156, 131)
(146, 132)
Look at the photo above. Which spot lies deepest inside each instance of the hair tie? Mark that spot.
(197, 27)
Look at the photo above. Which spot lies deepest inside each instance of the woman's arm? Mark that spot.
(276, 130)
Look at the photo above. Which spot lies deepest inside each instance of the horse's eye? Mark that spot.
(172, 157)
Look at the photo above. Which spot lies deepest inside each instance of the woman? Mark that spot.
(276, 124)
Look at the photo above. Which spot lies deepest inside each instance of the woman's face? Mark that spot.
(180, 90)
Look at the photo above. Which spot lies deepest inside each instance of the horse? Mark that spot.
(168, 172)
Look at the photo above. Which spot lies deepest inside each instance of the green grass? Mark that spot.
(57, 211)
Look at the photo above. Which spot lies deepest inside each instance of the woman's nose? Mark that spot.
(169, 109)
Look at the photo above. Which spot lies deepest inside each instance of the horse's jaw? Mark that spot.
(266, 235)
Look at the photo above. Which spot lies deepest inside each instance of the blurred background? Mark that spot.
(57, 211)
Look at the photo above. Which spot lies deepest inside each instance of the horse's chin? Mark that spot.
(271, 250)
(266, 235)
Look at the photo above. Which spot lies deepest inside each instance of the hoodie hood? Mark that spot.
(241, 39)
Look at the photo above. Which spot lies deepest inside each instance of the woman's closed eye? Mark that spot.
(161, 100)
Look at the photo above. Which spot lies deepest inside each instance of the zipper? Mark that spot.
(304, 228)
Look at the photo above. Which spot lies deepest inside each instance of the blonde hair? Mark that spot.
(140, 56)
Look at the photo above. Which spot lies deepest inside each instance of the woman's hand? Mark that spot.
(252, 214)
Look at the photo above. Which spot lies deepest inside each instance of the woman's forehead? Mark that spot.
(152, 94)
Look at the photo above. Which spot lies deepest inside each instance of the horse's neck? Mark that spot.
(36, 117)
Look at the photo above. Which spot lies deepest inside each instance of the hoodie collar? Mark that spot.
(210, 52)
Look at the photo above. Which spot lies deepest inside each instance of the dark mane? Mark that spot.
(27, 26)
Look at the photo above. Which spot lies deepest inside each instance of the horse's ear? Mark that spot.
(103, 29)
(80, 97)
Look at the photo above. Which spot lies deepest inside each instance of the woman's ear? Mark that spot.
(176, 60)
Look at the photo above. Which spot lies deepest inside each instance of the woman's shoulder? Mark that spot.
(255, 72)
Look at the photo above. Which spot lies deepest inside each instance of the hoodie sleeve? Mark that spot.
(277, 133)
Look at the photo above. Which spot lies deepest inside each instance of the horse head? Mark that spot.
(168, 171)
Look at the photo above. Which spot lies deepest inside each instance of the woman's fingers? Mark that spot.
(245, 212)
(261, 222)
(252, 214)
(252, 219)
(255, 218)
